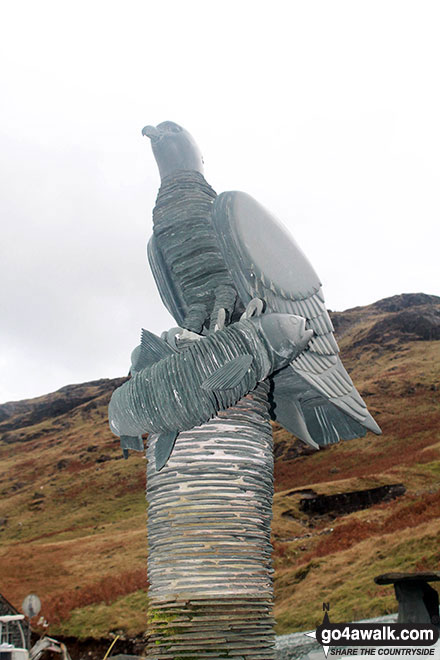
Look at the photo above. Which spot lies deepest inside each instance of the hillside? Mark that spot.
(72, 512)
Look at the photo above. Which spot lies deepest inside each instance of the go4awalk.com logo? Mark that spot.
(406, 639)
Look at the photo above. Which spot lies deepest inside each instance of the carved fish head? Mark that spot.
(174, 148)
(285, 334)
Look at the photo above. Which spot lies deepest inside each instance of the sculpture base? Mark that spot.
(209, 559)
(235, 628)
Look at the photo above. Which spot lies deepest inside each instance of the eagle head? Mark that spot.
(174, 148)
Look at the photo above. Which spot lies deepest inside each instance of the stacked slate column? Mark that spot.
(209, 514)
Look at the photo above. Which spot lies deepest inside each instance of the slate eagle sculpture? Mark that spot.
(211, 257)
(247, 254)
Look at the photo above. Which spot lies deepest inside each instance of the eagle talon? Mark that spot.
(171, 335)
(188, 334)
(253, 308)
(221, 319)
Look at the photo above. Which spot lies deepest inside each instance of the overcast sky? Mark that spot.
(326, 112)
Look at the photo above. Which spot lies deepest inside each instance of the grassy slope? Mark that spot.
(400, 381)
(74, 513)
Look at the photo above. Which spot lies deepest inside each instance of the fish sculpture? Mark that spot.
(175, 390)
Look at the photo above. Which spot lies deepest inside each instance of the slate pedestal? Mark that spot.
(209, 515)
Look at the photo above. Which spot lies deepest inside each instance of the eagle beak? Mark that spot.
(152, 132)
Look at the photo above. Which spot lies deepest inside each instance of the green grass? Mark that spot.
(126, 615)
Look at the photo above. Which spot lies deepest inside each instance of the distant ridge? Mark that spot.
(16, 414)
(69, 396)
(408, 316)
(399, 302)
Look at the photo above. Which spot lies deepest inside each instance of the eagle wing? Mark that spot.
(169, 289)
(313, 397)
